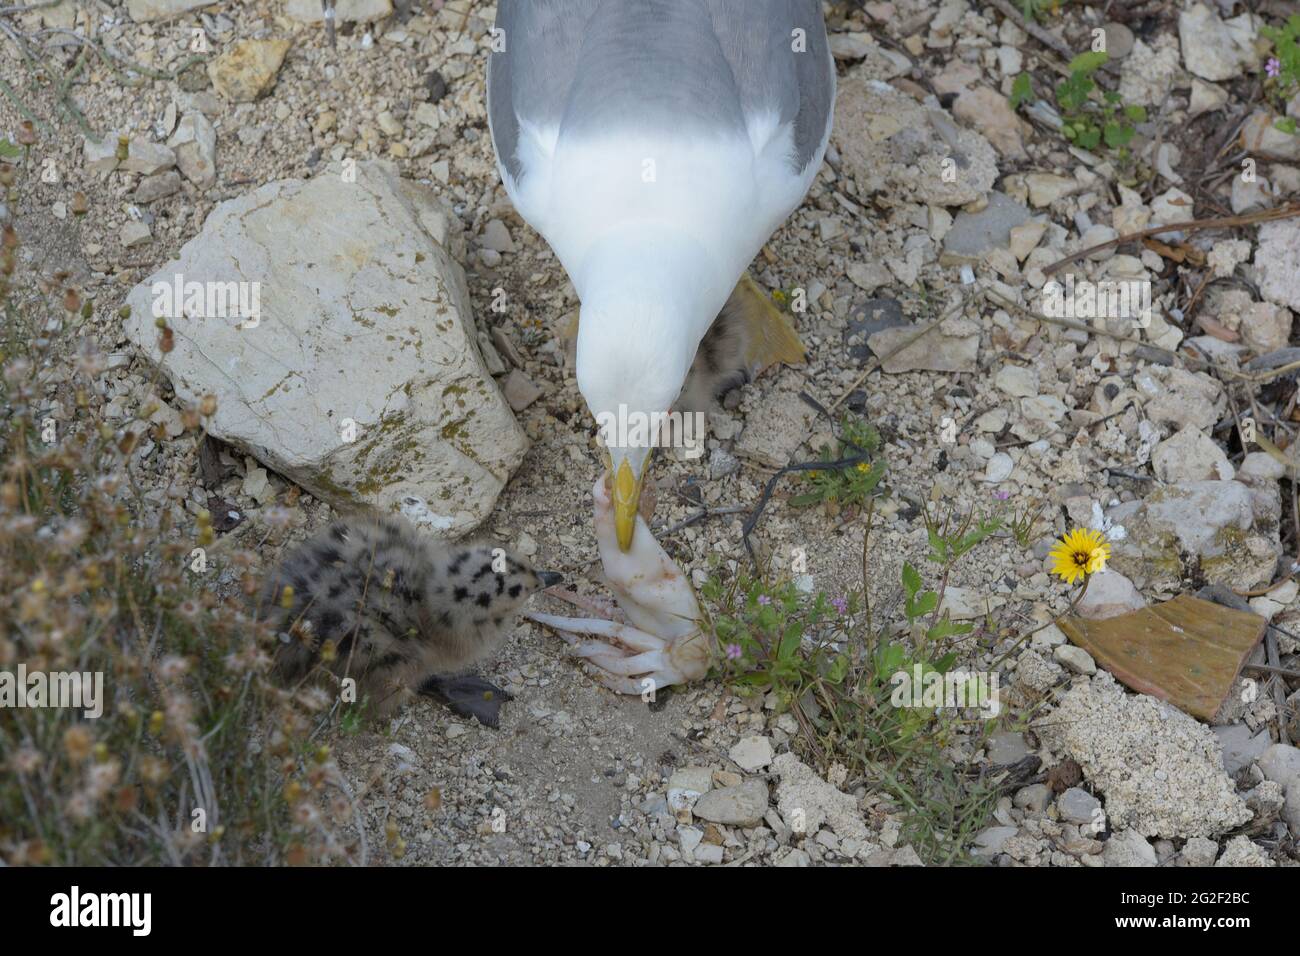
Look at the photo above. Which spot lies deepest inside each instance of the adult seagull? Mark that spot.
(656, 145)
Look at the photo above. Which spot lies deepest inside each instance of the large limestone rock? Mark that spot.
(1197, 528)
(1180, 398)
(1215, 49)
(891, 144)
(358, 375)
(1277, 260)
(246, 70)
(1159, 769)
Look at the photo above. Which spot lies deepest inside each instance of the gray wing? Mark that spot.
(584, 65)
(758, 39)
(532, 76)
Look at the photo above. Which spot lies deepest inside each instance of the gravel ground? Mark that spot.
(999, 411)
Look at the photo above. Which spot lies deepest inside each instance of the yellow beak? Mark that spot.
(627, 496)
(626, 492)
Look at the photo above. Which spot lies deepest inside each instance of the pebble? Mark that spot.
(1007, 748)
(497, 237)
(1017, 380)
(1291, 808)
(999, 468)
(1129, 848)
(1280, 763)
(1075, 659)
(134, 234)
(1109, 594)
(159, 186)
(694, 779)
(520, 391)
(1033, 798)
(709, 854)
(1078, 806)
(147, 157)
(1047, 188)
(752, 753)
(990, 842)
(1119, 40)
(741, 806)
(722, 464)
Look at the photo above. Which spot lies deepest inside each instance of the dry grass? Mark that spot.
(198, 758)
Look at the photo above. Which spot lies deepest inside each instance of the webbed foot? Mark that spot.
(468, 695)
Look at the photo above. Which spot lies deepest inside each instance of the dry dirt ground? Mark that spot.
(576, 773)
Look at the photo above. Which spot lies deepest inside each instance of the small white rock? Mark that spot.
(1075, 659)
(752, 753)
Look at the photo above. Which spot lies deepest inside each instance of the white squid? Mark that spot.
(663, 641)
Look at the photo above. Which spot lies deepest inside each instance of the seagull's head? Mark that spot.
(649, 293)
(630, 373)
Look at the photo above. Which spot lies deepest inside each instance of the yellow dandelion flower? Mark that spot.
(863, 466)
(1078, 554)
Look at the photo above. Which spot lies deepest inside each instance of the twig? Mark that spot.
(1270, 669)
(464, 21)
(752, 521)
(1033, 29)
(701, 515)
(1196, 296)
(1279, 694)
(36, 5)
(1131, 476)
(1193, 225)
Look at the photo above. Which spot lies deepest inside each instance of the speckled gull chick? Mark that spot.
(656, 145)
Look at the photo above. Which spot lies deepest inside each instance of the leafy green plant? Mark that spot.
(826, 661)
(951, 538)
(1022, 90)
(1283, 68)
(1087, 121)
(849, 485)
(761, 633)
(788, 300)
(1023, 523)
(1039, 9)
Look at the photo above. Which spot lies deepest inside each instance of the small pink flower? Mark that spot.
(1273, 67)
(1001, 495)
(733, 652)
(840, 604)
(764, 600)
